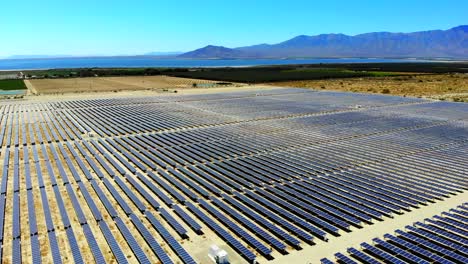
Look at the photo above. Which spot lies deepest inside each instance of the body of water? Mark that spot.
(12, 92)
(138, 62)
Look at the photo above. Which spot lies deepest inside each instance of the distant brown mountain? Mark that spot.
(452, 43)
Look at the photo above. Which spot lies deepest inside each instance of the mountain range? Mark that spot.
(451, 43)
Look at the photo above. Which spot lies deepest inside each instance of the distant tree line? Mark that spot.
(96, 72)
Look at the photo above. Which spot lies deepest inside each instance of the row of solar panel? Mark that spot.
(194, 197)
(442, 239)
(82, 189)
(31, 132)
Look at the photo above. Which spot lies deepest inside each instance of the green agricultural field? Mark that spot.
(12, 85)
(269, 74)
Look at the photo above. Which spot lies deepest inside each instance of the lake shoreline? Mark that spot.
(151, 62)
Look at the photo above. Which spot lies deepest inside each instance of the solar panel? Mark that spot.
(114, 163)
(16, 178)
(262, 221)
(168, 201)
(190, 183)
(117, 197)
(105, 201)
(131, 241)
(125, 162)
(130, 194)
(187, 219)
(317, 201)
(179, 250)
(32, 214)
(89, 200)
(326, 261)
(16, 251)
(286, 214)
(94, 167)
(3, 188)
(286, 200)
(53, 244)
(61, 206)
(105, 165)
(211, 183)
(398, 252)
(381, 254)
(433, 237)
(188, 192)
(275, 218)
(413, 247)
(250, 225)
(77, 257)
(93, 245)
(344, 259)
(76, 205)
(62, 172)
(167, 187)
(16, 233)
(2, 216)
(113, 244)
(173, 222)
(362, 256)
(143, 192)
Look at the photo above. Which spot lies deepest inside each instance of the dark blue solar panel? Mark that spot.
(143, 192)
(187, 219)
(105, 165)
(262, 221)
(250, 225)
(35, 250)
(131, 241)
(61, 206)
(138, 203)
(105, 201)
(398, 252)
(32, 214)
(114, 164)
(167, 187)
(53, 244)
(326, 261)
(173, 222)
(344, 259)
(180, 251)
(89, 200)
(117, 196)
(381, 254)
(16, 216)
(244, 251)
(75, 248)
(362, 256)
(2, 215)
(179, 185)
(113, 244)
(16, 251)
(93, 245)
(94, 167)
(76, 205)
(168, 201)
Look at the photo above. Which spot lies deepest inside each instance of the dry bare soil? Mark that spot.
(110, 84)
(451, 87)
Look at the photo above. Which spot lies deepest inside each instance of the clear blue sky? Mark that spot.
(103, 27)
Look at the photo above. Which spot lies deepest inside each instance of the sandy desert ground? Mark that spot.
(451, 87)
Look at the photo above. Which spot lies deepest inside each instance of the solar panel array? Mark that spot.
(441, 239)
(262, 173)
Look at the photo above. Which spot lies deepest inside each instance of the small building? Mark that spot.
(219, 256)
